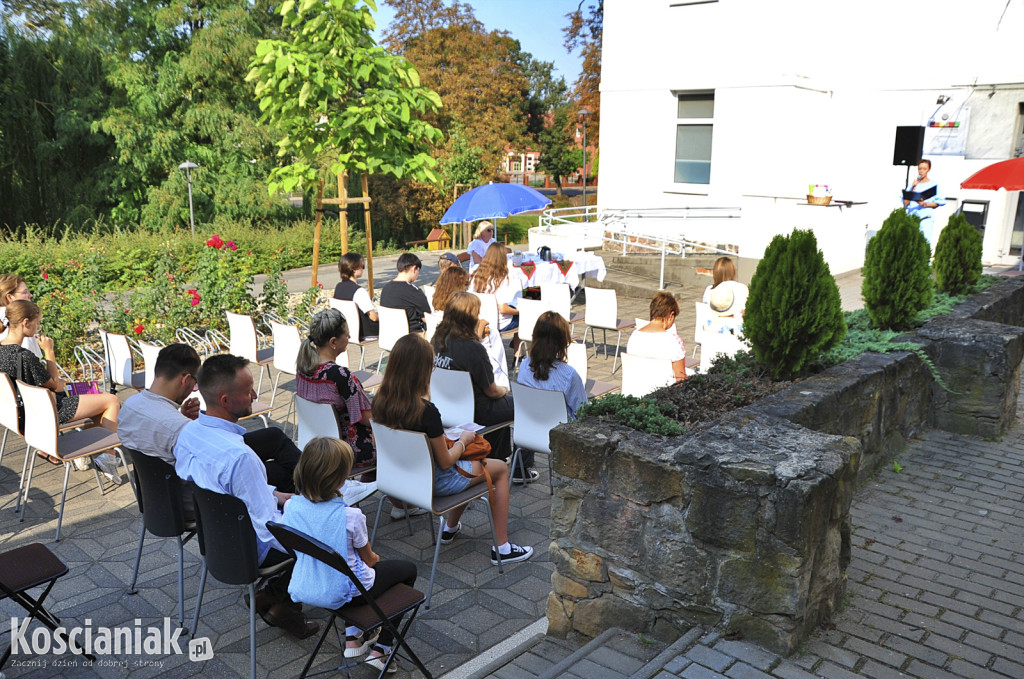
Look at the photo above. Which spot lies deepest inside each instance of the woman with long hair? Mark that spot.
(659, 339)
(24, 319)
(454, 279)
(492, 278)
(13, 287)
(457, 343)
(403, 403)
(321, 380)
(546, 367)
(351, 266)
(725, 278)
(457, 280)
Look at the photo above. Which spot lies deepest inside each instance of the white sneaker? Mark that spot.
(515, 553)
(355, 491)
(379, 660)
(107, 464)
(398, 514)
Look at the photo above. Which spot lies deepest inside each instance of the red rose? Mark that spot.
(231, 245)
(139, 329)
(215, 242)
(46, 276)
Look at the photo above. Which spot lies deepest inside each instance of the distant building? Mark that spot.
(744, 103)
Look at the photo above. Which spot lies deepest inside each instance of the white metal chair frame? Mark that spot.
(537, 412)
(41, 434)
(119, 356)
(287, 341)
(405, 471)
(394, 324)
(576, 357)
(244, 341)
(642, 375)
(350, 311)
(602, 313)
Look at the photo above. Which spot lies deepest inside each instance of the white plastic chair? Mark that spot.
(529, 311)
(149, 356)
(602, 313)
(41, 434)
(350, 311)
(558, 298)
(394, 325)
(452, 392)
(577, 360)
(488, 308)
(245, 343)
(429, 290)
(314, 419)
(286, 352)
(537, 412)
(405, 471)
(120, 368)
(8, 410)
(717, 344)
(642, 375)
(432, 320)
(700, 326)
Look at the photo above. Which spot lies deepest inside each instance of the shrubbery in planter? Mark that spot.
(793, 312)
(897, 277)
(958, 256)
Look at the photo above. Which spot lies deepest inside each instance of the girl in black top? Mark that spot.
(351, 266)
(19, 363)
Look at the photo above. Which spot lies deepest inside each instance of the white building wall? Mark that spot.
(797, 104)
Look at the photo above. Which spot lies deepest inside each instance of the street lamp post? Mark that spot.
(584, 113)
(188, 166)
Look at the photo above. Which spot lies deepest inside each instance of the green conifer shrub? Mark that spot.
(958, 256)
(897, 277)
(793, 311)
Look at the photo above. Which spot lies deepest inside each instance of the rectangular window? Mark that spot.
(694, 118)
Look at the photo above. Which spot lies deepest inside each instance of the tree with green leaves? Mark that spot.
(584, 34)
(560, 156)
(897, 277)
(958, 256)
(339, 102)
(793, 312)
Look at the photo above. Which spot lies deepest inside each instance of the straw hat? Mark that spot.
(723, 299)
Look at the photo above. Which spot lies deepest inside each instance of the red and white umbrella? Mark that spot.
(1007, 174)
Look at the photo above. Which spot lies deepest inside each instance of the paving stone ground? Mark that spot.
(935, 585)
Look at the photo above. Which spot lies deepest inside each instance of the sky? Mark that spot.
(536, 24)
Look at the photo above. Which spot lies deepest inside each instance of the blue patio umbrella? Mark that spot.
(494, 200)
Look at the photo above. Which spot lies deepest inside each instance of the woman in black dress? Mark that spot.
(24, 319)
(351, 266)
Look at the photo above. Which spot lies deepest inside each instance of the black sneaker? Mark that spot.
(531, 476)
(448, 535)
(516, 553)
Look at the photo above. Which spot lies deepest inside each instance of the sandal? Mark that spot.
(55, 461)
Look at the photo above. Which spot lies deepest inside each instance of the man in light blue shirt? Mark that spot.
(211, 453)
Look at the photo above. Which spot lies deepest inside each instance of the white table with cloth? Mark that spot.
(534, 272)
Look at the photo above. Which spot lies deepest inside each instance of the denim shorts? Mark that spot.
(512, 325)
(450, 482)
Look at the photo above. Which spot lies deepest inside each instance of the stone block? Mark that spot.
(587, 566)
(564, 586)
(579, 450)
(772, 583)
(1001, 303)
(979, 361)
(594, 616)
(565, 508)
(722, 516)
(558, 622)
(637, 472)
(612, 522)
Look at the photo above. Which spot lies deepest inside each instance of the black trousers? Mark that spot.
(390, 572)
(278, 453)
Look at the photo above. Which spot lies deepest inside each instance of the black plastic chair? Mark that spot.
(374, 613)
(227, 542)
(26, 568)
(163, 515)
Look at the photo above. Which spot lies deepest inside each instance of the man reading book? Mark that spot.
(928, 196)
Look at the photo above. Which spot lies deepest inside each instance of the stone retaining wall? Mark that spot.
(745, 525)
